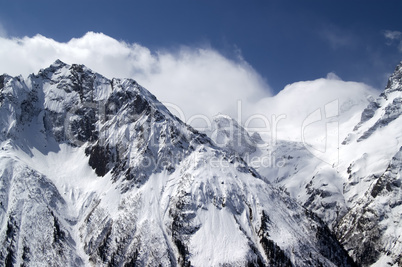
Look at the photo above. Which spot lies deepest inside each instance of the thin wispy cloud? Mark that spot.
(338, 38)
(333, 76)
(393, 35)
(394, 38)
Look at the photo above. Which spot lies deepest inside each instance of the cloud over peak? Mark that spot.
(195, 83)
(196, 80)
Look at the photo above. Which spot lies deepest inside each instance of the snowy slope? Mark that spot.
(97, 172)
(372, 189)
(358, 195)
(291, 158)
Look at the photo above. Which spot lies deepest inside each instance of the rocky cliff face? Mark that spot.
(370, 230)
(98, 172)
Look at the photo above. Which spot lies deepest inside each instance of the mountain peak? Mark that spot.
(394, 81)
(230, 135)
(381, 111)
(58, 63)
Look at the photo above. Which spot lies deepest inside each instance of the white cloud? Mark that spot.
(394, 37)
(287, 110)
(333, 76)
(197, 80)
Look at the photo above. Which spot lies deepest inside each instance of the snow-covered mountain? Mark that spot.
(371, 230)
(97, 172)
(358, 195)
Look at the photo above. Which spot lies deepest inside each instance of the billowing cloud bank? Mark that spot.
(196, 80)
(195, 83)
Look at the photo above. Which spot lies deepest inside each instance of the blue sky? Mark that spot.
(284, 41)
